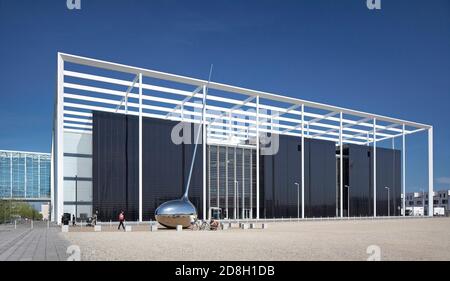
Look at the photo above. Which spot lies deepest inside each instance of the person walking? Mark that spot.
(73, 220)
(121, 220)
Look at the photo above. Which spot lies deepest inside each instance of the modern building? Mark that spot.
(124, 138)
(25, 176)
(420, 199)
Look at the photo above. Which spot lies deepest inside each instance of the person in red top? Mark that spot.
(121, 220)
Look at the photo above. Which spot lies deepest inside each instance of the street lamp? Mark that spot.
(235, 198)
(348, 200)
(423, 201)
(388, 201)
(298, 199)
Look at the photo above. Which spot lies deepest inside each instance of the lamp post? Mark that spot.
(298, 199)
(348, 200)
(388, 201)
(423, 200)
(235, 199)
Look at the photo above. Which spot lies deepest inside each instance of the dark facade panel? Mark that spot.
(360, 180)
(114, 157)
(116, 166)
(280, 172)
(320, 192)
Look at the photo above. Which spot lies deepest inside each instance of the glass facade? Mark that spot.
(24, 175)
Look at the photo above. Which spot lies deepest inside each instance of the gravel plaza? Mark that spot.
(397, 239)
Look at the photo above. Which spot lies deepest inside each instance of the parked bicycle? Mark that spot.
(200, 225)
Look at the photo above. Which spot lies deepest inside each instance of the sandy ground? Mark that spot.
(400, 239)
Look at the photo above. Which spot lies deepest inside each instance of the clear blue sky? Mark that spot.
(394, 61)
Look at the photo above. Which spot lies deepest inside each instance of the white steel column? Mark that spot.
(140, 147)
(204, 133)
(404, 170)
(430, 172)
(257, 157)
(59, 140)
(303, 161)
(374, 167)
(341, 167)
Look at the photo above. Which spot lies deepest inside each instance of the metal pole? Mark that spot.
(303, 160)
(389, 203)
(140, 148)
(235, 198)
(374, 167)
(298, 199)
(204, 133)
(251, 183)
(226, 180)
(235, 184)
(11, 175)
(404, 169)
(257, 157)
(76, 196)
(423, 200)
(243, 185)
(341, 166)
(348, 200)
(209, 183)
(218, 178)
(430, 172)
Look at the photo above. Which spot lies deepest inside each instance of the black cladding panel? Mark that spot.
(360, 178)
(116, 172)
(280, 197)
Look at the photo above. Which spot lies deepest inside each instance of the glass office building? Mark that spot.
(24, 175)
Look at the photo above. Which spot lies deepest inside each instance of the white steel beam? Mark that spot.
(226, 88)
(125, 98)
(341, 128)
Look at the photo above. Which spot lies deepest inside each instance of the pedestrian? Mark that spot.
(121, 220)
(73, 220)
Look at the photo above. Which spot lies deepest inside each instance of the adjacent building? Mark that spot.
(420, 200)
(25, 175)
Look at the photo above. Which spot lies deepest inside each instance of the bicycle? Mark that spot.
(200, 225)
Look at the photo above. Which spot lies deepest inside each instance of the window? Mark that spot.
(419, 202)
(435, 202)
(444, 201)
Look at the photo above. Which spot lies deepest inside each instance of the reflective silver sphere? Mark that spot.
(176, 212)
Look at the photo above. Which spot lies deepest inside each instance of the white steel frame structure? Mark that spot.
(231, 115)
